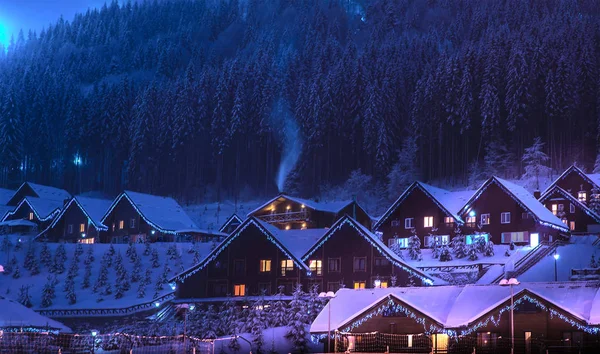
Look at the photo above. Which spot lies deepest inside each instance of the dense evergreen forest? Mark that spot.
(203, 99)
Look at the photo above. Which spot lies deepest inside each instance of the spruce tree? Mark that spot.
(278, 310)
(298, 321)
(16, 272)
(48, 293)
(89, 257)
(489, 249)
(35, 267)
(24, 297)
(594, 203)
(30, 257)
(58, 263)
(154, 259)
(102, 279)
(473, 253)
(45, 256)
(86, 276)
(78, 252)
(414, 246)
(136, 274)
(147, 248)
(257, 322)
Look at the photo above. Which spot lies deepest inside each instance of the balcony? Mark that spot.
(290, 216)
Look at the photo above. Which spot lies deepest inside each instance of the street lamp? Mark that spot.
(328, 295)
(511, 282)
(556, 257)
(94, 333)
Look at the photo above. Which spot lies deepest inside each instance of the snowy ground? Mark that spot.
(211, 216)
(274, 341)
(573, 255)
(9, 287)
(499, 257)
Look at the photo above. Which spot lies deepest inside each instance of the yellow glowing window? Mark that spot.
(359, 284)
(121, 224)
(316, 266)
(554, 209)
(428, 221)
(448, 220)
(384, 284)
(30, 216)
(81, 227)
(86, 240)
(287, 265)
(239, 290)
(265, 265)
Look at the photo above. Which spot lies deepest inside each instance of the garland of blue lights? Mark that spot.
(48, 217)
(572, 200)
(393, 260)
(215, 253)
(64, 210)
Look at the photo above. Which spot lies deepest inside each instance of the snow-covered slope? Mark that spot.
(211, 216)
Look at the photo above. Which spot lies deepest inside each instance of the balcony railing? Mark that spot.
(285, 217)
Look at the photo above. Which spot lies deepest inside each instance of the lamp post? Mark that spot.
(556, 257)
(186, 308)
(328, 295)
(94, 333)
(511, 282)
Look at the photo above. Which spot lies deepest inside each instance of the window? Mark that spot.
(448, 220)
(572, 208)
(402, 242)
(441, 239)
(132, 223)
(381, 262)
(287, 265)
(70, 228)
(360, 264)
(525, 216)
(471, 221)
(239, 290)
(31, 216)
(384, 284)
(121, 224)
(395, 223)
(554, 209)
(334, 265)
(409, 223)
(264, 288)
(81, 227)
(265, 265)
(88, 241)
(219, 289)
(359, 284)
(561, 207)
(487, 339)
(572, 225)
(428, 221)
(505, 218)
(239, 267)
(508, 237)
(582, 196)
(485, 219)
(474, 239)
(564, 221)
(333, 286)
(316, 266)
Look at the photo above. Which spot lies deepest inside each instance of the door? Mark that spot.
(534, 239)
(527, 342)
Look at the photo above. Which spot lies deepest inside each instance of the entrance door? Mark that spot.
(534, 239)
(440, 343)
(527, 342)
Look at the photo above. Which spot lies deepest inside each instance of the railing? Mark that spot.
(107, 312)
(585, 274)
(532, 257)
(284, 217)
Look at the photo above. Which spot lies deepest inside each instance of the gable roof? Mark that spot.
(162, 213)
(525, 199)
(231, 219)
(5, 195)
(297, 241)
(93, 208)
(591, 178)
(373, 240)
(44, 209)
(556, 189)
(330, 207)
(14, 314)
(42, 192)
(449, 202)
(265, 228)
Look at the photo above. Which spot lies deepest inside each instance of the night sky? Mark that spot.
(37, 14)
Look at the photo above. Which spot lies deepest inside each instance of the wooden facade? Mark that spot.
(41, 216)
(125, 224)
(78, 221)
(576, 215)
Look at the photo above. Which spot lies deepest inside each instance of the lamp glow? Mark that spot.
(556, 256)
(157, 304)
(472, 213)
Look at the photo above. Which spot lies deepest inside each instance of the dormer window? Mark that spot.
(582, 196)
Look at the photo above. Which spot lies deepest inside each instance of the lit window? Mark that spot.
(572, 208)
(70, 228)
(582, 196)
(440, 239)
(287, 227)
(121, 224)
(316, 266)
(287, 265)
(360, 264)
(508, 237)
(265, 265)
(303, 226)
(384, 284)
(448, 220)
(409, 223)
(428, 221)
(334, 265)
(132, 223)
(86, 240)
(564, 221)
(402, 242)
(239, 290)
(475, 239)
(485, 219)
(81, 227)
(471, 220)
(359, 284)
(572, 225)
(554, 209)
(31, 216)
(505, 218)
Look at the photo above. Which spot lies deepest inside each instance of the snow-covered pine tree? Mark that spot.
(73, 269)
(111, 250)
(16, 274)
(278, 310)
(89, 256)
(597, 164)
(107, 289)
(136, 273)
(473, 253)
(436, 249)
(211, 322)
(488, 251)
(404, 171)
(30, 257)
(314, 303)
(396, 246)
(141, 291)
(58, 263)
(459, 246)
(158, 286)
(129, 248)
(69, 290)
(414, 246)
(6, 244)
(297, 321)
(535, 159)
(87, 274)
(48, 293)
(147, 248)
(256, 321)
(393, 280)
(197, 258)
(35, 267)
(133, 255)
(445, 255)
(45, 256)
(24, 297)
(78, 252)
(102, 279)
(594, 203)
(154, 259)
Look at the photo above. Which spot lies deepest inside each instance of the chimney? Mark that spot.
(537, 194)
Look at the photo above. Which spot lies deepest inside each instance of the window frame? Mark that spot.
(132, 223)
(286, 265)
(582, 196)
(428, 222)
(361, 284)
(364, 264)
(487, 219)
(316, 266)
(82, 227)
(448, 220)
(383, 262)
(239, 290)
(571, 208)
(264, 266)
(409, 223)
(70, 229)
(335, 260)
(121, 224)
(503, 216)
(31, 216)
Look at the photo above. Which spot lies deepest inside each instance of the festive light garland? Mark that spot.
(571, 199)
(233, 217)
(48, 217)
(100, 227)
(215, 253)
(347, 220)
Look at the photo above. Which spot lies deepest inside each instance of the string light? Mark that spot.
(99, 227)
(367, 236)
(48, 217)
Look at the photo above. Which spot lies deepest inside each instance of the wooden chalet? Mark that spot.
(136, 217)
(429, 212)
(504, 212)
(286, 212)
(32, 214)
(79, 221)
(464, 319)
(231, 224)
(28, 189)
(579, 185)
(349, 255)
(571, 211)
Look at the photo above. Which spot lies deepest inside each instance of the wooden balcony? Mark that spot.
(291, 216)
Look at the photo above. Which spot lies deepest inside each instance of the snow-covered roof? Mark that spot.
(14, 314)
(43, 208)
(566, 195)
(94, 208)
(331, 207)
(454, 307)
(295, 240)
(201, 231)
(162, 213)
(233, 218)
(592, 178)
(47, 192)
(450, 202)
(5, 195)
(18, 222)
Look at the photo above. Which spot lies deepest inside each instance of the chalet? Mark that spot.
(288, 212)
(349, 255)
(32, 214)
(136, 217)
(429, 212)
(79, 221)
(29, 189)
(464, 319)
(230, 224)
(256, 257)
(504, 212)
(570, 210)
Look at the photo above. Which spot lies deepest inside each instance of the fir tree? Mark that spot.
(473, 253)
(35, 267)
(414, 246)
(45, 256)
(257, 322)
(48, 293)
(594, 203)
(154, 259)
(6, 244)
(278, 310)
(147, 248)
(445, 255)
(136, 274)
(89, 258)
(24, 297)
(58, 264)
(30, 257)
(69, 290)
(78, 252)
(16, 272)
(535, 159)
(86, 276)
(489, 249)
(459, 245)
(141, 291)
(297, 321)
(593, 263)
(102, 279)
(111, 250)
